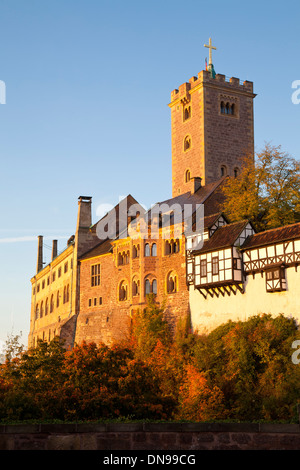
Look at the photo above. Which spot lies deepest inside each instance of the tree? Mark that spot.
(149, 327)
(267, 191)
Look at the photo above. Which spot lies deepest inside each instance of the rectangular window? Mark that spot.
(215, 265)
(100, 300)
(66, 267)
(53, 276)
(59, 272)
(275, 279)
(203, 268)
(95, 275)
(95, 301)
(43, 284)
(90, 302)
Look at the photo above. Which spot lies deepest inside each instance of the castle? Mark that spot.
(214, 270)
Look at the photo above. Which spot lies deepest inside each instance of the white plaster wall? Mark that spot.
(207, 314)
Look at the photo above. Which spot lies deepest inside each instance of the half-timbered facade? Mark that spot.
(238, 273)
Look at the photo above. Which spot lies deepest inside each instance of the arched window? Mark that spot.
(227, 107)
(187, 176)
(232, 109)
(135, 287)
(64, 295)
(150, 286)
(222, 107)
(153, 249)
(57, 299)
(147, 287)
(37, 311)
(147, 249)
(187, 113)
(42, 310)
(123, 291)
(187, 143)
(68, 293)
(172, 282)
(136, 251)
(46, 307)
(223, 170)
(52, 303)
(236, 172)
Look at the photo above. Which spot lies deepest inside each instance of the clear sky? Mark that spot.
(87, 88)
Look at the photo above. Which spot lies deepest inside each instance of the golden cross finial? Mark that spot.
(210, 47)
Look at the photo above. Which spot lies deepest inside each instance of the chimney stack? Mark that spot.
(39, 265)
(54, 249)
(197, 184)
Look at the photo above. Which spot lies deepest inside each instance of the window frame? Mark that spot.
(95, 274)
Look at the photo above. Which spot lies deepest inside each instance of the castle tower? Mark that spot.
(212, 128)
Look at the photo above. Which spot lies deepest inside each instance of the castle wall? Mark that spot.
(50, 285)
(207, 314)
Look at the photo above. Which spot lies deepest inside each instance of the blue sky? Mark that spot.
(87, 88)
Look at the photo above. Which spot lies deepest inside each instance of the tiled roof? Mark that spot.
(210, 195)
(288, 232)
(101, 249)
(223, 237)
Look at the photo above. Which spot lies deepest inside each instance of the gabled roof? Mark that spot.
(275, 235)
(223, 237)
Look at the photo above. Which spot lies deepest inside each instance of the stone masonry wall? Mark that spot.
(147, 436)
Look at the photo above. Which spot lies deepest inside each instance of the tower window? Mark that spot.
(223, 170)
(236, 172)
(187, 176)
(230, 107)
(187, 143)
(186, 112)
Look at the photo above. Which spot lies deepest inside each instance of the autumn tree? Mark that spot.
(267, 191)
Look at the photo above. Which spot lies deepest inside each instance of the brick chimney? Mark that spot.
(39, 265)
(83, 237)
(54, 249)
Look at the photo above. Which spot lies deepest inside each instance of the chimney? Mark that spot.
(54, 249)
(84, 219)
(84, 239)
(196, 184)
(39, 265)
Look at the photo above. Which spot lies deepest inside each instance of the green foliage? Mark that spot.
(240, 371)
(267, 191)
